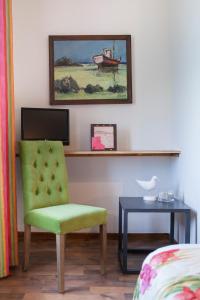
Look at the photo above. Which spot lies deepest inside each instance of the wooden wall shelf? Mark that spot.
(122, 153)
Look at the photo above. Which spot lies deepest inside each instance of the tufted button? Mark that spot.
(35, 164)
(50, 150)
(48, 191)
(52, 176)
(36, 191)
(57, 164)
(46, 164)
(60, 188)
(38, 151)
(41, 178)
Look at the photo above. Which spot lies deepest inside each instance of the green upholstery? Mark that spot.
(44, 174)
(45, 191)
(66, 218)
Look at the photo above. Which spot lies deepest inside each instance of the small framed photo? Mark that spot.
(103, 137)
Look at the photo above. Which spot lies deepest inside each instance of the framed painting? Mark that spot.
(90, 69)
(103, 137)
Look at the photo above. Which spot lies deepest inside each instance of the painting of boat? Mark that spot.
(106, 60)
(90, 69)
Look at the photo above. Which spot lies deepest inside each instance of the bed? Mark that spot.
(170, 273)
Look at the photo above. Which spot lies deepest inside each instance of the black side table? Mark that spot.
(137, 204)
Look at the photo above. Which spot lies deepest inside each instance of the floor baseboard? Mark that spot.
(89, 235)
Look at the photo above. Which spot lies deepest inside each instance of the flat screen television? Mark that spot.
(45, 124)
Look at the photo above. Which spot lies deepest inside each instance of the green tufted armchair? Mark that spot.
(46, 201)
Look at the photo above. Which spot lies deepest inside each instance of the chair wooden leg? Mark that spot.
(60, 249)
(103, 236)
(27, 242)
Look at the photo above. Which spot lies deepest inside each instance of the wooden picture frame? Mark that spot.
(90, 69)
(103, 137)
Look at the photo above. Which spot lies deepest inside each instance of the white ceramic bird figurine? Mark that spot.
(148, 186)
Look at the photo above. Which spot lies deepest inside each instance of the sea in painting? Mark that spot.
(90, 69)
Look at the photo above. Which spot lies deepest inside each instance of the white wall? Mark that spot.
(146, 124)
(185, 41)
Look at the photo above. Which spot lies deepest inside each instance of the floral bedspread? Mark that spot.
(170, 273)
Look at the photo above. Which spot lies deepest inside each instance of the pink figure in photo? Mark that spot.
(96, 143)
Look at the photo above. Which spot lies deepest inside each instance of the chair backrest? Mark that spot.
(44, 174)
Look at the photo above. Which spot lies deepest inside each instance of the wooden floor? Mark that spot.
(82, 273)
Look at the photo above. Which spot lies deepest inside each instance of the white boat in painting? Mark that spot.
(106, 59)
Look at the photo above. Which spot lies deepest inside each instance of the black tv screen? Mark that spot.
(45, 124)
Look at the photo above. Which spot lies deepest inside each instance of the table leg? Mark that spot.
(187, 227)
(125, 241)
(172, 227)
(120, 228)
